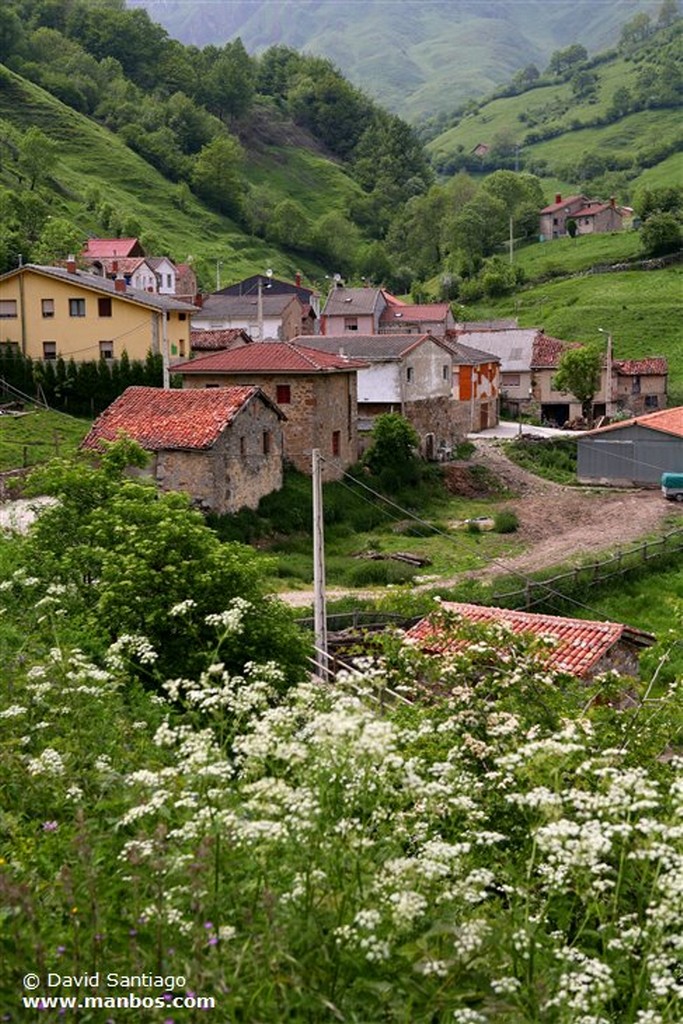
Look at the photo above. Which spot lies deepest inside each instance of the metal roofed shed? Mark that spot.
(634, 452)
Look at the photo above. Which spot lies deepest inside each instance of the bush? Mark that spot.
(506, 521)
(380, 573)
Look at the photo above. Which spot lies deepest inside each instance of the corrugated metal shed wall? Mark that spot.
(632, 454)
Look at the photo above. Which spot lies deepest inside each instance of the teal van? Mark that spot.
(672, 486)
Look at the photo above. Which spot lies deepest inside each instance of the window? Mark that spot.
(266, 442)
(47, 307)
(76, 307)
(409, 374)
(651, 401)
(8, 308)
(181, 347)
(445, 371)
(169, 284)
(212, 385)
(336, 442)
(635, 385)
(182, 316)
(510, 380)
(350, 323)
(283, 394)
(49, 350)
(243, 446)
(106, 350)
(104, 307)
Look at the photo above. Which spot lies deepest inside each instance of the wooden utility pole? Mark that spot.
(319, 604)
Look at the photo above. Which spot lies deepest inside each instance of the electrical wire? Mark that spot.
(528, 580)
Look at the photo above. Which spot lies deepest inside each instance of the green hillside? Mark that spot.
(91, 157)
(641, 309)
(609, 120)
(417, 59)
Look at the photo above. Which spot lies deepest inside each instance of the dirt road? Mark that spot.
(556, 522)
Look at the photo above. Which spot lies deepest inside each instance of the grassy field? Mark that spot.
(570, 255)
(37, 436)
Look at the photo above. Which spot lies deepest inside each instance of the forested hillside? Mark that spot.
(109, 126)
(417, 59)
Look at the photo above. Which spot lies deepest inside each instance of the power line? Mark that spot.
(528, 580)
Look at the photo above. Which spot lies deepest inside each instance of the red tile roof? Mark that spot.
(548, 351)
(124, 264)
(580, 643)
(668, 421)
(215, 341)
(590, 211)
(112, 247)
(656, 365)
(435, 311)
(269, 357)
(553, 207)
(161, 419)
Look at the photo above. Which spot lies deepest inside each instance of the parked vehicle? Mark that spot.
(672, 486)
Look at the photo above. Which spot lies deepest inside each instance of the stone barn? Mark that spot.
(223, 447)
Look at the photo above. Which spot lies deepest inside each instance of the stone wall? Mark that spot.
(321, 406)
(237, 471)
(443, 417)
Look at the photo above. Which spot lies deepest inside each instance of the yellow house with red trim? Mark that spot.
(48, 312)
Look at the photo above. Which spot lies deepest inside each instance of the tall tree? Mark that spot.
(579, 374)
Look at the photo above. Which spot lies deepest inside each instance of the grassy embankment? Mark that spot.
(37, 436)
(641, 309)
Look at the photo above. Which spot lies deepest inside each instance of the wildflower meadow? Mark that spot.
(496, 844)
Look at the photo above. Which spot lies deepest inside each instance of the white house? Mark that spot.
(410, 374)
(166, 274)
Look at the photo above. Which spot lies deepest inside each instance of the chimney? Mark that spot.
(115, 267)
(612, 202)
(558, 197)
(71, 264)
(297, 279)
(199, 300)
(120, 283)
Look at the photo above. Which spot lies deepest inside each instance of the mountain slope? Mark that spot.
(93, 158)
(415, 58)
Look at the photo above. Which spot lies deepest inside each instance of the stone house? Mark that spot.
(633, 386)
(48, 312)
(640, 385)
(582, 647)
(315, 389)
(280, 315)
(591, 216)
(353, 311)
(223, 447)
(596, 217)
(410, 374)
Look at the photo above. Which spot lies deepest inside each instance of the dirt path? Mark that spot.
(557, 523)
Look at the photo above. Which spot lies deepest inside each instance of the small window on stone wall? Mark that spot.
(266, 442)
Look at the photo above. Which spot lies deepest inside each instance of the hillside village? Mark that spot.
(266, 350)
(328, 364)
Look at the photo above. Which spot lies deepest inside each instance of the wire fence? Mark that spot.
(620, 562)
